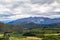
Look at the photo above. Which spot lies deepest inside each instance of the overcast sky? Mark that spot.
(16, 9)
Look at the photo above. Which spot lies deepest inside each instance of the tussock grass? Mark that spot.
(27, 38)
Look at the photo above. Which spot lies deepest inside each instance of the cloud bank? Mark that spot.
(16, 9)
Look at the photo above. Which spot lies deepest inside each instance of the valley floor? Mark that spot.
(27, 38)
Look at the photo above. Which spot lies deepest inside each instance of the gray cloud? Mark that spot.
(5, 14)
(42, 1)
(26, 8)
(15, 9)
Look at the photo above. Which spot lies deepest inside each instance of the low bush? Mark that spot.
(29, 34)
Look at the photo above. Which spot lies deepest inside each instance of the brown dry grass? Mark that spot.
(33, 38)
(27, 38)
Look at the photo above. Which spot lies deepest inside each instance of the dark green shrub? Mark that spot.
(29, 34)
(2, 39)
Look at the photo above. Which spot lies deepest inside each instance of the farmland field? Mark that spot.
(34, 34)
(27, 38)
(46, 37)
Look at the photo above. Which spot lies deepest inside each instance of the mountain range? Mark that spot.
(36, 20)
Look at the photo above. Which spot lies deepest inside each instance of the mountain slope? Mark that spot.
(37, 20)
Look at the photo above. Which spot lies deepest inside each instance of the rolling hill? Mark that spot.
(36, 22)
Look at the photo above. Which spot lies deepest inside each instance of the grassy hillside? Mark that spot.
(41, 32)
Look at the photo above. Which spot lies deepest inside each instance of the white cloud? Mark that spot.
(16, 9)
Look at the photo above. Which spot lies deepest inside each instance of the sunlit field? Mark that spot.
(34, 34)
(27, 38)
(46, 37)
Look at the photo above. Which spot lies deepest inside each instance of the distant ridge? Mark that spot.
(37, 20)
